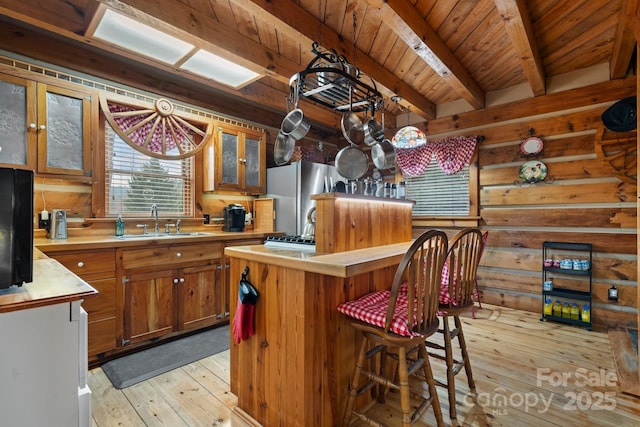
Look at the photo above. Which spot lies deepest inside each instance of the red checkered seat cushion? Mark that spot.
(372, 309)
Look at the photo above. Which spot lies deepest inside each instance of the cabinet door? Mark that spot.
(148, 305)
(200, 297)
(18, 122)
(64, 131)
(228, 165)
(254, 163)
(235, 160)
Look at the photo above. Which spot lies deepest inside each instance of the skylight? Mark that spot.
(143, 39)
(140, 38)
(214, 67)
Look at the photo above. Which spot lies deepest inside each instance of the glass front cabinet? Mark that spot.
(45, 128)
(235, 160)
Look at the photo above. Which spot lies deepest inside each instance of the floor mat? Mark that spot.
(134, 368)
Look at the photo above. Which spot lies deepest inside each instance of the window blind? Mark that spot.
(134, 181)
(439, 194)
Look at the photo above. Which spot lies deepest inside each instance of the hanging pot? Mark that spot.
(373, 130)
(283, 148)
(383, 155)
(294, 124)
(352, 162)
(352, 128)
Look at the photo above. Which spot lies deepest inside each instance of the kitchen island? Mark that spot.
(295, 370)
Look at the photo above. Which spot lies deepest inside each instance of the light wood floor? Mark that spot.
(527, 373)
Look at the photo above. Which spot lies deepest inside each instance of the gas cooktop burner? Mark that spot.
(291, 242)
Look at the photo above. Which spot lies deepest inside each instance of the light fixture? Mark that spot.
(140, 38)
(613, 293)
(214, 67)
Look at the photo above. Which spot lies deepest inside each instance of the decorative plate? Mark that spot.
(531, 145)
(533, 171)
(409, 137)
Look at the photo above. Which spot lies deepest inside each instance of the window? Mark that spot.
(134, 181)
(439, 194)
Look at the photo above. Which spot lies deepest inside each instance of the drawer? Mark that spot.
(102, 336)
(244, 242)
(82, 263)
(103, 305)
(170, 255)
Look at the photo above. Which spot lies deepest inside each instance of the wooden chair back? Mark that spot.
(421, 270)
(463, 258)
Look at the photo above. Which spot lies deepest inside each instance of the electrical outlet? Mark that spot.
(43, 223)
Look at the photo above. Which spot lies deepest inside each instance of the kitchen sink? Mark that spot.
(161, 235)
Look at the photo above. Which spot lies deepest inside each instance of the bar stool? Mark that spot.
(456, 297)
(393, 328)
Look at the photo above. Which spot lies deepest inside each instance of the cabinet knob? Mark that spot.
(32, 125)
(42, 127)
(80, 264)
(175, 280)
(178, 254)
(182, 280)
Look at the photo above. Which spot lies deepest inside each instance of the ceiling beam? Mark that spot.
(515, 16)
(288, 14)
(408, 23)
(625, 41)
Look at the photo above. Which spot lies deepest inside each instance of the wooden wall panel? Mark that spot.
(581, 201)
(584, 217)
(608, 192)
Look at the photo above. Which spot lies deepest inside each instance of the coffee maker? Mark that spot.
(58, 224)
(233, 218)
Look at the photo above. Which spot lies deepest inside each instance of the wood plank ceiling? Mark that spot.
(426, 52)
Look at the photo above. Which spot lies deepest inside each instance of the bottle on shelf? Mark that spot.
(575, 312)
(586, 313)
(548, 306)
(566, 310)
(557, 308)
(119, 226)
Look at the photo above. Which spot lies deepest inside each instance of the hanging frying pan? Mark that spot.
(352, 162)
(283, 148)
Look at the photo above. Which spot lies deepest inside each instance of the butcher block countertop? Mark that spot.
(52, 284)
(339, 264)
(101, 241)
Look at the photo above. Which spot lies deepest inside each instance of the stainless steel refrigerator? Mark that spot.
(291, 187)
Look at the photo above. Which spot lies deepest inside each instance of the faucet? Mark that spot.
(154, 214)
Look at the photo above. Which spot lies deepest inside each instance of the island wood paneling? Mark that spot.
(580, 201)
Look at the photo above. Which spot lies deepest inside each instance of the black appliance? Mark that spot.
(233, 218)
(16, 227)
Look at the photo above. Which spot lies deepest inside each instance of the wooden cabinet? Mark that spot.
(45, 128)
(235, 160)
(98, 269)
(170, 288)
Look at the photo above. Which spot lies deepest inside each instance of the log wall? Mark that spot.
(582, 200)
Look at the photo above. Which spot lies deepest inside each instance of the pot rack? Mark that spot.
(332, 81)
